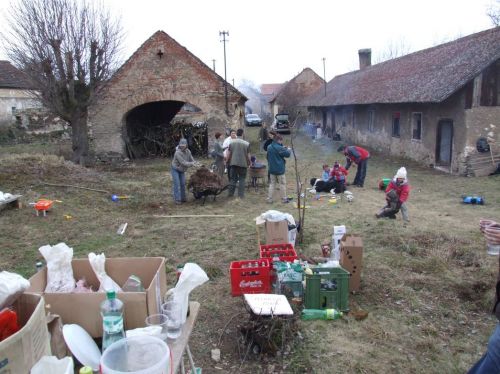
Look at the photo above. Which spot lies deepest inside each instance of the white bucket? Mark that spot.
(138, 355)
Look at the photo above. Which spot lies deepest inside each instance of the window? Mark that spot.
(13, 110)
(395, 124)
(416, 126)
(371, 120)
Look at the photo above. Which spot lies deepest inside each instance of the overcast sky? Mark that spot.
(271, 41)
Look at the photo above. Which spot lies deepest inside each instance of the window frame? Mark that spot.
(396, 116)
(413, 122)
(371, 120)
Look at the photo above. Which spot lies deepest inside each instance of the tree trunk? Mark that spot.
(80, 137)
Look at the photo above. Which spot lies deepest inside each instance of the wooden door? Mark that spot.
(444, 142)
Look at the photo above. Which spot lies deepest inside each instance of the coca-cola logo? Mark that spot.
(251, 284)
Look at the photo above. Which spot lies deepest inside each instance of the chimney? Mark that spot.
(365, 58)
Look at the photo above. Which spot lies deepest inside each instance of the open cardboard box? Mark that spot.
(84, 308)
(276, 232)
(19, 352)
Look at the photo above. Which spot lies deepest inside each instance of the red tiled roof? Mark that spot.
(12, 77)
(429, 75)
(270, 89)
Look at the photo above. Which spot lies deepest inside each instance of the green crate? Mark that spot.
(327, 288)
(289, 288)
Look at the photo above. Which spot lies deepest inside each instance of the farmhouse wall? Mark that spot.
(14, 99)
(161, 70)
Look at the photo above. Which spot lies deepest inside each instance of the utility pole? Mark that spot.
(324, 73)
(213, 63)
(233, 82)
(224, 40)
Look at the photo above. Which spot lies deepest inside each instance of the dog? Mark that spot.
(322, 186)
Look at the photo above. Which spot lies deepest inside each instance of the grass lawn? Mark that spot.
(427, 285)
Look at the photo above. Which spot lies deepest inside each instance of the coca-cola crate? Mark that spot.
(250, 276)
(285, 252)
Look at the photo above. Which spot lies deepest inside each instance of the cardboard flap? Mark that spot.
(351, 241)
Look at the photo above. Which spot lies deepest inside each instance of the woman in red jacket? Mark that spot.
(397, 193)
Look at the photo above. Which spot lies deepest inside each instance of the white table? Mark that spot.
(180, 346)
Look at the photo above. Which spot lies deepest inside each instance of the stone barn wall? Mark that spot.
(161, 70)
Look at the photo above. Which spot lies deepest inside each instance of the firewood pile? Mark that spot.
(161, 140)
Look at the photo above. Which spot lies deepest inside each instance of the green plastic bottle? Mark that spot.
(310, 314)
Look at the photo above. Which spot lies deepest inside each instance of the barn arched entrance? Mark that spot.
(154, 129)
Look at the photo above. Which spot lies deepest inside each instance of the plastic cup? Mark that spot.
(159, 320)
(173, 311)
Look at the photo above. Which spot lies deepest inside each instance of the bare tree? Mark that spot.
(494, 12)
(68, 49)
(394, 49)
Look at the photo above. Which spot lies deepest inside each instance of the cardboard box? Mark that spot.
(351, 259)
(276, 232)
(19, 352)
(338, 234)
(84, 308)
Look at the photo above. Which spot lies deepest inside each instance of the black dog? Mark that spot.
(331, 184)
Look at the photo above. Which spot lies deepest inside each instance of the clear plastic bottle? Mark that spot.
(310, 314)
(112, 320)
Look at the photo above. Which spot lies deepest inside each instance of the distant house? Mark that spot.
(430, 106)
(291, 93)
(15, 92)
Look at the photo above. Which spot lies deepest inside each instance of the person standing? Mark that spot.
(360, 157)
(180, 163)
(218, 154)
(397, 193)
(276, 154)
(263, 135)
(238, 160)
(490, 361)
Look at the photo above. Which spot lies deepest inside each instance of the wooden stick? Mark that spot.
(197, 216)
(70, 185)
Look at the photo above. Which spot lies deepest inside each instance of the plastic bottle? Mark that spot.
(310, 314)
(112, 320)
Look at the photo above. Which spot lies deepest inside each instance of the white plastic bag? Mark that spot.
(192, 276)
(50, 364)
(98, 263)
(12, 285)
(59, 270)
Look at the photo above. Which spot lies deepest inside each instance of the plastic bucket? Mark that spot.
(138, 355)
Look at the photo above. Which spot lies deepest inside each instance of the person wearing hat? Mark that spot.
(183, 159)
(397, 193)
(360, 157)
(276, 154)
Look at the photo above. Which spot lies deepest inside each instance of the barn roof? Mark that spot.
(289, 93)
(270, 89)
(429, 75)
(12, 77)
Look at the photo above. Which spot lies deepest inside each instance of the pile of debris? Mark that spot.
(204, 183)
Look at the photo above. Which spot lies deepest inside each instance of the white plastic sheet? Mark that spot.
(50, 364)
(192, 276)
(59, 270)
(11, 286)
(98, 263)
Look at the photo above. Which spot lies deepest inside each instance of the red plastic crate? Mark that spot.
(250, 276)
(285, 252)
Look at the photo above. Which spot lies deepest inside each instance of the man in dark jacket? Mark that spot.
(276, 155)
(490, 362)
(360, 157)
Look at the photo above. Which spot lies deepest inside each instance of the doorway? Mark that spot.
(444, 142)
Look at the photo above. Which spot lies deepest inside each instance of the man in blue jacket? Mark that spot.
(276, 154)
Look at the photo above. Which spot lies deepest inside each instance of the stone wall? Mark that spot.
(161, 70)
(17, 99)
(356, 129)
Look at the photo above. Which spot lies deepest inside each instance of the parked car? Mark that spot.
(281, 124)
(253, 120)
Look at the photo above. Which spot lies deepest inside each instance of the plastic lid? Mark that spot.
(111, 294)
(86, 370)
(82, 346)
